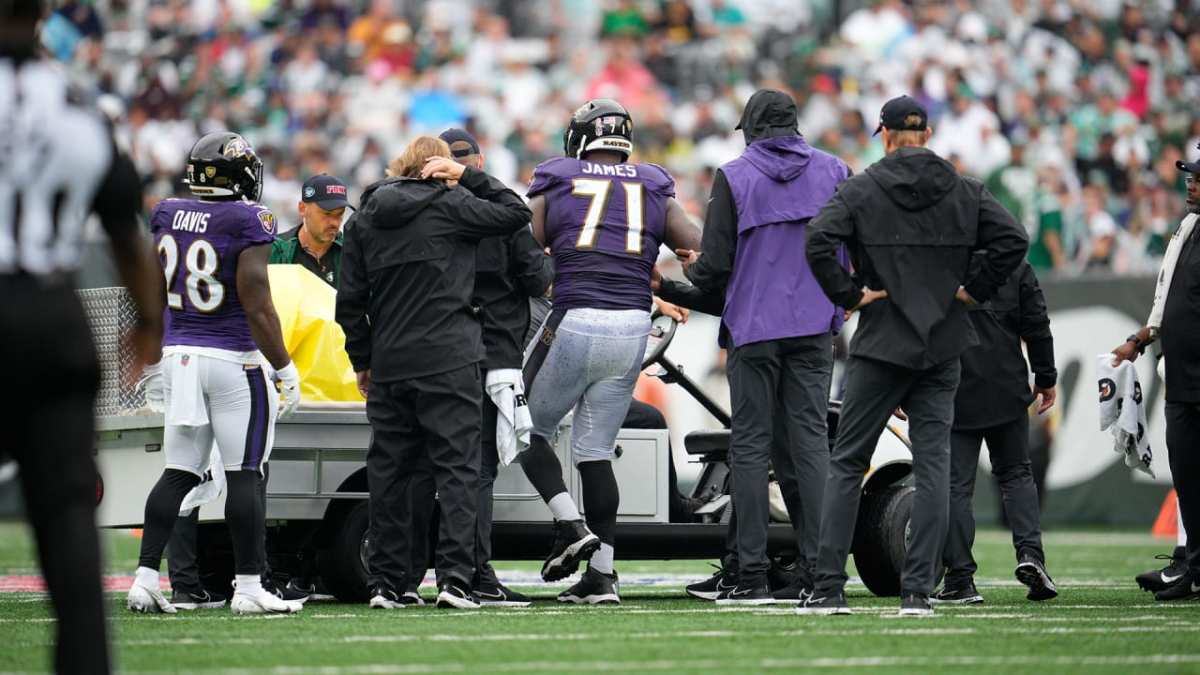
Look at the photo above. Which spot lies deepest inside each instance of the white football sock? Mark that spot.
(248, 583)
(602, 560)
(563, 507)
(147, 578)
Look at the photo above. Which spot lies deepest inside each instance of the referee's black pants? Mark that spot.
(47, 425)
(1008, 450)
(424, 425)
(1183, 453)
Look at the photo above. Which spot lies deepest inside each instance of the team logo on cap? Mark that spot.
(335, 189)
(267, 220)
(309, 192)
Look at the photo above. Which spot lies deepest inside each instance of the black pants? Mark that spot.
(1183, 452)
(424, 425)
(780, 392)
(874, 389)
(489, 465)
(1008, 448)
(47, 426)
(182, 566)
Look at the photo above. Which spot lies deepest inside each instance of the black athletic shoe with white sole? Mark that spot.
(1032, 572)
(573, 543)
(288, 593)
(1157, 580)
(1184, 588)
(196, 599)
(916, 604)
(792, 595)
(958, 593)
(455, 595)
(496, 594)
(595, 588)
(384, 597)
(749, 591)
(721, 582)
(824, 604)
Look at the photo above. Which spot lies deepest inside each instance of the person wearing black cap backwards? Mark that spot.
(911, 224)
(1174, 318)
(778, 325)
(317, 242)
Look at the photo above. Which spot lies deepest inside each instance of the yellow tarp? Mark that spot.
(315, 341)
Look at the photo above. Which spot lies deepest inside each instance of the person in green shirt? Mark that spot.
(317, 243)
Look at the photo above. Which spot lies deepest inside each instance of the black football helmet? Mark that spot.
(222, 164)
(599, 124)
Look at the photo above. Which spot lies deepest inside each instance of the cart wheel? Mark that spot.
(881, 537)
(343, 564)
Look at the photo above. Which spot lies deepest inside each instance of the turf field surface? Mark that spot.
(1100, 623)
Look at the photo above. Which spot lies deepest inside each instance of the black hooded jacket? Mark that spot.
(408, 272)
(911, 223)
(508, 272)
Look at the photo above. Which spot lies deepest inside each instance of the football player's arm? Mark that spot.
(680, 232)
(687, 295)
(254, 290)
(117, 204)
(353, 296)
(537, 218)
(492, 210)
(827, 233)
(718, 242)
(1005, 241)
(529, 266)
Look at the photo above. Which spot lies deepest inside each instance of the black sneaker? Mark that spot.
(780, 576)
(384, 596)
(287, 593)
(749, 591)
(1032, 572)
(1158, 580)
(595, 588)
(1184, 588)
(456, 595)
(573, 543)
(721, 582)
(824, 604)
(196, 599)
(957, 593)
(496, 594)
(412, 598)
(794, 594)
(916, 604)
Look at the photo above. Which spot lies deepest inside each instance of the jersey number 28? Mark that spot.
(597, 190)
(204, 291)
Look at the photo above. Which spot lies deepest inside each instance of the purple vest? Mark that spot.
(198, 247)
(778, 184)
(604, 225)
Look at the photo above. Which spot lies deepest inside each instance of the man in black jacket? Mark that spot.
(910, 223)
(404, 301)
(993, 405)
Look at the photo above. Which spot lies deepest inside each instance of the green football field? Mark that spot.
(1100, 623)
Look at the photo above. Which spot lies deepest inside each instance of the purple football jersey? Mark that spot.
(604, 225)
(198, 247)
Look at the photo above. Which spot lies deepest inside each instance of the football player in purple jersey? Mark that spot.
(220, 324)
(603, 219)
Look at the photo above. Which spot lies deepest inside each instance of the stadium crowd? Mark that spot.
(1074, 112)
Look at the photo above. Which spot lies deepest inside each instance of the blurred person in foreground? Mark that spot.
(404, 301)
(65, 166)
(1175, 321)
(911, 224)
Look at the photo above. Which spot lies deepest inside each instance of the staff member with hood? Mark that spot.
(404, 301)
(778, 324)
(911, 224)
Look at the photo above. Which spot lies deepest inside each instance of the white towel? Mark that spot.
(210, 488)
(185, 403)
(1123, 409)
(513, 423)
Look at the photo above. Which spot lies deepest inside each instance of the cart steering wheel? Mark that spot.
(662, 331)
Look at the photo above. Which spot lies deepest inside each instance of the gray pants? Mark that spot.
(780, 395)
(873, 390)
(1008, 448)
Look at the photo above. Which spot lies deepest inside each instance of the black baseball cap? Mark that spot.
(326, 192)
(1189, 167)
(461, 142)
(895, 111)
